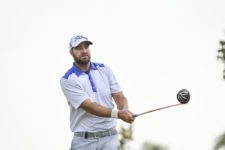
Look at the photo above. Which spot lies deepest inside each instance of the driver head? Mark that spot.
(183, 96)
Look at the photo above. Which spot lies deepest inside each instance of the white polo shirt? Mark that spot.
(97, 84)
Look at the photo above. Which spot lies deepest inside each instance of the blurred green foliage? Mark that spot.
(220, 142)
(152, 146)
(126, 135)
(221, 55)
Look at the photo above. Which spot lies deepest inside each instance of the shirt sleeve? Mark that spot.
(114, 85)
(73, 92)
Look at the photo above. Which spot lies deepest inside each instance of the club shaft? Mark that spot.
(136, 115)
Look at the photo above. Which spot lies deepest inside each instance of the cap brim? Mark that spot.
(89, 42)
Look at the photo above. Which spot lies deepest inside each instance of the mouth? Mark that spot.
(86, 56)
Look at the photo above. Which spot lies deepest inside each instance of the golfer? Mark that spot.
(89, 88)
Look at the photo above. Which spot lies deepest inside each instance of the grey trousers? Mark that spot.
(95, 143)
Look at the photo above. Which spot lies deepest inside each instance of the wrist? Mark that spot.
(114, 113)
(125, 107)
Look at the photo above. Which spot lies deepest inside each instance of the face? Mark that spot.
(81, 53)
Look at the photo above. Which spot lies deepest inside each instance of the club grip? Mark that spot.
(135, 115)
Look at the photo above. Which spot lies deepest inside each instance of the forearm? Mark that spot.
(102, 111)
(122, 104)
(121, 101)
(96, 109)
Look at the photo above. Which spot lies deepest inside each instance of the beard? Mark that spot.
(84, 60)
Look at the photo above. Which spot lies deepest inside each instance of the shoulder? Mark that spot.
(101, 67)
(69, 80)
(67, 74)
(97, 65)
(104, 69)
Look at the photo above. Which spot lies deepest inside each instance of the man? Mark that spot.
(89, 88)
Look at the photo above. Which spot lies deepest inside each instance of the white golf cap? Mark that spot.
(77, 39)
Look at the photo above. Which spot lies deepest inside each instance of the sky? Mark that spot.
(155, 48)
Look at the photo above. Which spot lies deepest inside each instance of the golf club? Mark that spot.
(183, 96)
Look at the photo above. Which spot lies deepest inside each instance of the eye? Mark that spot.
(78, 47)
(86, 46)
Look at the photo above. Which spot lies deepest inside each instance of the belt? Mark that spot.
(96, 134)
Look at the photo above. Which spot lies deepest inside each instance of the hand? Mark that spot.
(126, 116)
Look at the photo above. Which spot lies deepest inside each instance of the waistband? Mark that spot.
(96, 134)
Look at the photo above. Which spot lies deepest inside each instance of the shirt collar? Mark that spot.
(78, 71)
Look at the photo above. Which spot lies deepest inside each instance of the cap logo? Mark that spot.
(79, 37)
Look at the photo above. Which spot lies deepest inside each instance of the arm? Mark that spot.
(122, 106)
(120, 100)
(102, 111)
(96, 109)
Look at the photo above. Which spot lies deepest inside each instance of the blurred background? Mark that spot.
(155, 48)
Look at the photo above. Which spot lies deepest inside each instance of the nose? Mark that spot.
(84, 49)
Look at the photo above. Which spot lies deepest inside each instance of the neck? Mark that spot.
(83, 67)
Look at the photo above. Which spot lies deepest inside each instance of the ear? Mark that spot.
(71, 51)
